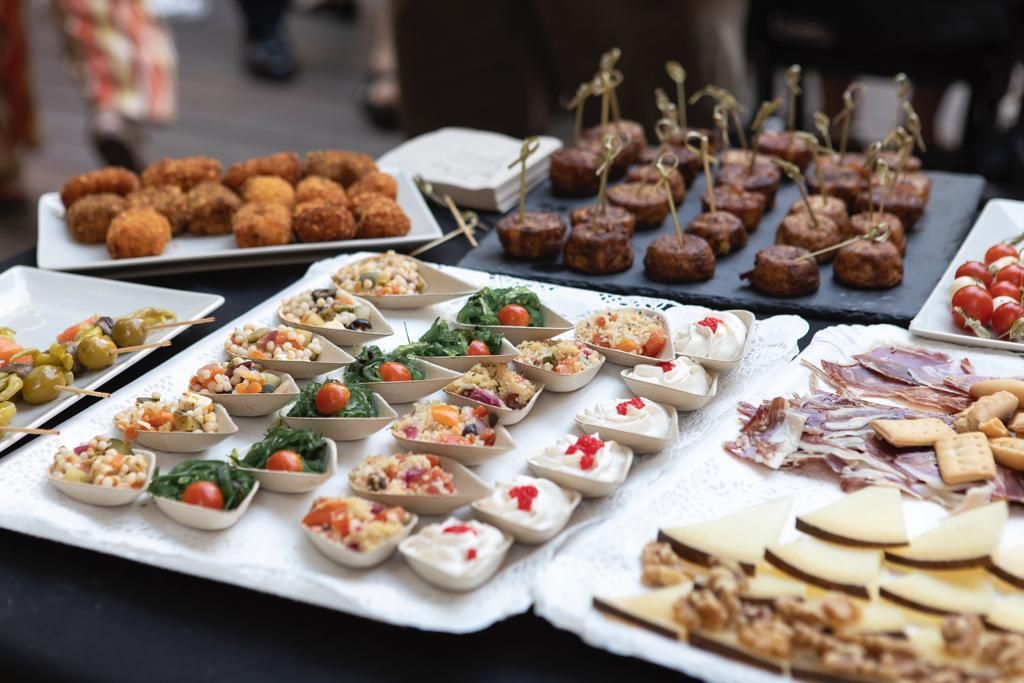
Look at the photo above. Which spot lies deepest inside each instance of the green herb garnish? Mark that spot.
(368, 362)
(310, 446)
(441, 340)
(234, 484)
(360, 402)
(482, 308)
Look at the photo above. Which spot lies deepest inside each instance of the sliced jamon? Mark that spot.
(900, 363)
(871, 383)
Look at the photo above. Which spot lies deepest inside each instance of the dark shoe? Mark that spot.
(270, 59)
(382, 114)
(117, 140)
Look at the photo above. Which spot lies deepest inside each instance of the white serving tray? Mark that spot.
(1001, 219)
(605, 561)
(57, 251)
(39, 305)
(267, 551)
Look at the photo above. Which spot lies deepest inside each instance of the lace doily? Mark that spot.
(267, 550)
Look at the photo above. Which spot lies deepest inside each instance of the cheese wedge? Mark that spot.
(726, 644)
(878, 618)
(652, 610)
(871, 517)
(958, 542)
(1008, 565)
(966, 594)
(1007, 614)
(741, 536)
(931, 648)
(833, 567)
(767, 587)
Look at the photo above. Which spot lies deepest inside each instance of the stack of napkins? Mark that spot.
(472, 165)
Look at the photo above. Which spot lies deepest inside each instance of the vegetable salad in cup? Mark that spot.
(631, 330)
(334, 399)
(280, 343)
(327, 307)
(495, 385)
(356, 523)
(510, 306)
(389, 274)
(103, 461)
(561, 356)
(403, 474)
(285, 449)
(440, 422)
(237, 376)
(191, 413)
(373, 365)
(207, 483)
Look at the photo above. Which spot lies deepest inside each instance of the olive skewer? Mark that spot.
(133, 331)
(28, 430)
(97, 353)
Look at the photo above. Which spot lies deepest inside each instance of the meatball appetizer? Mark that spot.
(671, 258)
(784, 271)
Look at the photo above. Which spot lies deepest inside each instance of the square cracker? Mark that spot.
(923, 431)
(965, 457)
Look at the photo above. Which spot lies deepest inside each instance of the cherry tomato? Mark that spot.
(478, 348)
(204, 494)
(394, 372)
(1005, 316)
(998, 251)
(1013, 273)
(331, 398)
(514, 314)
(655, 343)
(975, 269)
(285, 461)
(1004, 288)
(975, 302)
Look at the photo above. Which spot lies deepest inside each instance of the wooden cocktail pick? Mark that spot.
(846, 115)
(611, 145)
(793, 85)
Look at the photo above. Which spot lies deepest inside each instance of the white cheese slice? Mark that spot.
(765, 587)
(1008, 565)
(931, 648)
(1007, 613)
(740, 537)
(652, 610)
(871, 517)
(878, 617)
(958, 542)
(833, 567)
(967, 593)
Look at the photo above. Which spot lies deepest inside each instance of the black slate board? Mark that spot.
(930, 246)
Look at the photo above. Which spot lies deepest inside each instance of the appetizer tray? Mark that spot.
(268, 551)
(39, 305)
(930, 246)
(1000, 220)
(605, 561)
(56, 249)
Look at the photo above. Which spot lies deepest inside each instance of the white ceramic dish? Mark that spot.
(331, 358)
(56, 249)
(642, 444)
(440, 287)
(464, 363)
(435, 377)
(630, 359)
(105, 496)
(677, 398)
(296, 482)
(37, 305)
(1000, 220)
(468, 487)
(204, 519)
(585, 486)
(556, 383)
(554, 325)
(355, 559)
(345, 428)
(481, 573)
(506, 416)
(189, 442)
(257, 405)
(728, 365)
(379, 328)
(529, 535)
(466, 455)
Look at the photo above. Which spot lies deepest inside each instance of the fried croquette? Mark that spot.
(112, 179)
(382, 217)
(184, 173)
(359, 203)
(168, 200)
(283, 164)
(377, 183)
(268, 188)
(138, 232)
(319, 220)
(210, 207)
(339, 165)
(318, 187)
(89, 218)
(262, 225)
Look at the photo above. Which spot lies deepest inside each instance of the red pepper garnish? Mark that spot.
(459, 529)
(667, 366)
(711, 323)
(636, 402)
(524, 496)
(471, 554)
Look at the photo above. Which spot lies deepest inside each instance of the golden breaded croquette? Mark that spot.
(341, 166)
(319, 220)
(89, 218)
(318, 187)
(184, 173)
(360, 202)
(376, 183)
(283, 164)
(112, 179)
(268, 188)
(138, 232)
(262, 225)
(168, 200)
(210, 207)
(382, 217)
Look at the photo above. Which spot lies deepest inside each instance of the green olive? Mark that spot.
(41, 384)
(96, 353)
(129, 332)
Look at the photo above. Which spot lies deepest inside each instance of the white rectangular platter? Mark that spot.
(1001, 219)
(56, 249)
(605, 561)
(39, 305)
(268, 551)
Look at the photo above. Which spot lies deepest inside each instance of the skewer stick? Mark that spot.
(846, 115)
(84, 392)
(462, 224)
(870, 157)
(904, 91)
(666, 163)
(793, 171)
(819, 172)
(142, 347)
(706, 160)
(529, 146)
(181, 323)
(678, 75)
(914, 125)
(28, 430)
(729, 106)
(764, 111)
(576, 104)
(879, 233)
(468, 217)
(823, 125)
(884, 179)
(610, 148)
(722, 123)
(607, 66)
(427, 190)
(793, 84)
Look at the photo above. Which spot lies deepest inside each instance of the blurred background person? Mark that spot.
(266, 52)
(17, 111)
